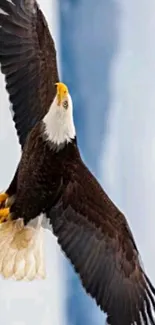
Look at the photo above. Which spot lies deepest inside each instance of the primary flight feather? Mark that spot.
(52, 179)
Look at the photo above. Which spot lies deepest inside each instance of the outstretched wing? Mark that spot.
(28, 61)
(96, 238)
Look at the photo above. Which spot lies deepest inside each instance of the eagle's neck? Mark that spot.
(59, 126)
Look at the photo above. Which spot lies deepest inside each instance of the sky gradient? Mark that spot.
(108, 61)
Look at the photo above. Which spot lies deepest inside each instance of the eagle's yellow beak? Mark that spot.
(62, 92)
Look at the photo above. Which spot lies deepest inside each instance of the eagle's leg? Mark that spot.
(7, 197)
(4, 215)
(3, 198)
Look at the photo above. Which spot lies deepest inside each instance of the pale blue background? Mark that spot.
(106, 53)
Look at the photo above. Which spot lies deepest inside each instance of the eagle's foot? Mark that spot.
(3, 198)
(4, 215)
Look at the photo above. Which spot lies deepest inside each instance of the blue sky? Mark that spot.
(88, 46)
(107, 57)
(87, 52)
(130, 142)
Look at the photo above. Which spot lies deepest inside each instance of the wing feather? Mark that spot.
(28, 61)
(96, 238)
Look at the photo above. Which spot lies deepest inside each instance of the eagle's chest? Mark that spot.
(44, 165)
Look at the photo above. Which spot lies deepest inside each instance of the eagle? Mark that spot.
(51, 180)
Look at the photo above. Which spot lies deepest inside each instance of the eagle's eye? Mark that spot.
(65, 104)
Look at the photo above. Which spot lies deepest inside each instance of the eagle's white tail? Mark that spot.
(21, 251)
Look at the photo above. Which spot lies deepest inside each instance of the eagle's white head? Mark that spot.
(59, 124)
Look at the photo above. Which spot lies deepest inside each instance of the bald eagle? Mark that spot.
(51, 178)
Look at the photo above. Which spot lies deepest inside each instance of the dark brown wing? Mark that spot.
(96, 238)
(28, 60)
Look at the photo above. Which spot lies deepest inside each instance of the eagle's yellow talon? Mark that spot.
(4, 215)
(3, 197)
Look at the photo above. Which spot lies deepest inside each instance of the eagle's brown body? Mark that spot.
(52, 178)
(49, 168)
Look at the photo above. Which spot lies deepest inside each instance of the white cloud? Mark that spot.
(129, 155)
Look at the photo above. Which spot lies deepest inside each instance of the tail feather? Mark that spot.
(18, 265)
(21, 251)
